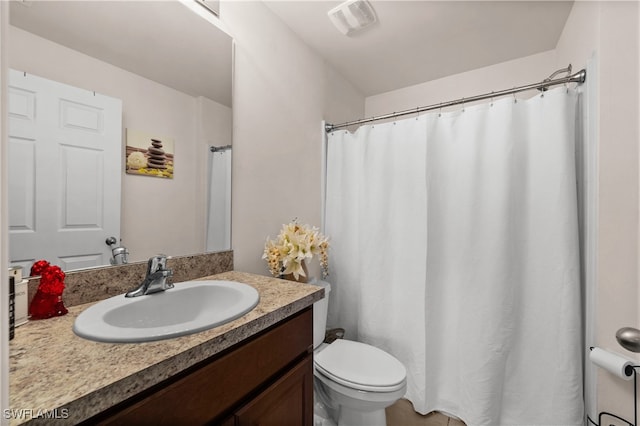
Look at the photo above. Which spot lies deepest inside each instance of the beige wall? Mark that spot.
(158, 216)
(282, 91)
(483, 80)
(608, 31)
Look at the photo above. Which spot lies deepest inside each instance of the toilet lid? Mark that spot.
(359, 365)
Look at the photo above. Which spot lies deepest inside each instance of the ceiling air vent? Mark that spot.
(352, 16)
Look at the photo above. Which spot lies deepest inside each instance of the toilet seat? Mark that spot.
(360, 366)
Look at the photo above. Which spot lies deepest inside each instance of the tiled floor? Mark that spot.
(402, 414)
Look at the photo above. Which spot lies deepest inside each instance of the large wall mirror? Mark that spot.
(148, 69)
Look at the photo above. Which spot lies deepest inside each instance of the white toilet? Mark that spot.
(354, 381)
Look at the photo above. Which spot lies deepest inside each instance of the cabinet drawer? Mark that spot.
(226, 380)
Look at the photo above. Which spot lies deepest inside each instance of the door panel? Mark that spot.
(65, 155)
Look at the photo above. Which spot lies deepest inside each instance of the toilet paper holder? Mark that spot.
(635, 403)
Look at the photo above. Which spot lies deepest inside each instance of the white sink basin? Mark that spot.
(189, 307)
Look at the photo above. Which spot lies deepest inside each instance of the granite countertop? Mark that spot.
(56, 373)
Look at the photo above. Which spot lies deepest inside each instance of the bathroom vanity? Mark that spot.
(256, 367)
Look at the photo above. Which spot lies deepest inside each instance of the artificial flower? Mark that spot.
(295, 244)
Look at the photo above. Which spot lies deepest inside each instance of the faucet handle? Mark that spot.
(157, 263)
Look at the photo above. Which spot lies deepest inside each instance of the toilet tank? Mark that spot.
(320, 309)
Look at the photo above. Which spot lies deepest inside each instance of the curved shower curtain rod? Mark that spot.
(579, 77)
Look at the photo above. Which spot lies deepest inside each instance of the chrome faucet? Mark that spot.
(156, 279)
(120, 255)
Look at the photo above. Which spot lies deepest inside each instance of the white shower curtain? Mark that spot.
(219, 207)
(455, 248)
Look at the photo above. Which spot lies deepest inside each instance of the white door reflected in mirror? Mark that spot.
(64, 173)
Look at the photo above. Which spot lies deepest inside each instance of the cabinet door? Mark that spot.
(288, 402)
(203, 395)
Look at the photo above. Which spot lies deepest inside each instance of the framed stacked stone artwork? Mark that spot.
(149, 155)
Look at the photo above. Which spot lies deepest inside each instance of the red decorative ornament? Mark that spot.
(47, 302)
(52, 280)
(38, 267)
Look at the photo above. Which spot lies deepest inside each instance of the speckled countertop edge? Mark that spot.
(53, 369)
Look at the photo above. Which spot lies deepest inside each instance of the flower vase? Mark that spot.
(46, 305)
(301, 278)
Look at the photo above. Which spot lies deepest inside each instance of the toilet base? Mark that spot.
(351, 417)
(346, 411)
(349, 407)
(323, 415)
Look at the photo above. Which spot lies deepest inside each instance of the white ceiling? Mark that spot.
(418, 41)
(160, 40)
(412, 42)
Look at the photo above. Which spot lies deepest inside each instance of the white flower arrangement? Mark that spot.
(294, 245)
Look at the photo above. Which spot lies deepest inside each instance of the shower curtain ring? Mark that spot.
(462, 104)
(515, 100)
(440, 110)
(491, 104)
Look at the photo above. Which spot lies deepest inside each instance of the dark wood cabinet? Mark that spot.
(265, 380)
(289, 401)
